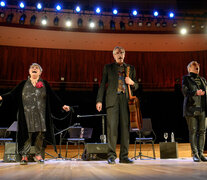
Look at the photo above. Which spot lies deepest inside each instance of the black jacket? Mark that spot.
(110, 77)
(192, 102)
(15, 97)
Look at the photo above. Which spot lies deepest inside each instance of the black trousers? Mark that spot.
(38, 138)
(197, 132)
(118, 115)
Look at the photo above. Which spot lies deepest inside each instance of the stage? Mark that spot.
(181, 168)
(175, 169)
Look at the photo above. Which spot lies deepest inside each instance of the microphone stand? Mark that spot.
(60, 143)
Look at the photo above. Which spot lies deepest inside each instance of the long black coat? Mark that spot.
(15, 97)
(110, 77)
(192, 102)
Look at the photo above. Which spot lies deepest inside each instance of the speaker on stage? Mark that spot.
(168, 150)
(10, 154)
(95, 151)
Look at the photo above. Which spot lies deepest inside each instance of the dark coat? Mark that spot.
(15, 97)
(192, 102)
(110, 76)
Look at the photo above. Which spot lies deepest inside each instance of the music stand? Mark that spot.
(4, 135)
(13, 127)
(77, 136)
(103, 136)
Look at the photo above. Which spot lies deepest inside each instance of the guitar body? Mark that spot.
(135, 113)
(134, 109)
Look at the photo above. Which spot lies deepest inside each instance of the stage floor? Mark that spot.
(159, 169)
(181, 168)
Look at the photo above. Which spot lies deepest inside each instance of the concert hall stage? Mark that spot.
(159, 169)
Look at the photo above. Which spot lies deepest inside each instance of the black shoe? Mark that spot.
(203, 158)
(127, 160)
(196, 158)
(111, 161)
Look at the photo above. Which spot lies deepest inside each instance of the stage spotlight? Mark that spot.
(171, 15)
(156, 13)
(140, 22)
(202, 26)
(112, 25)
(80, 22)
(92, 24)
(44, 20)
(115, 11)
(98, 10)
(130, 23)
(2, 3)
(22, 19)
(134, 12)
(9, 18)
(164, 24)
(193, 26)
(2, 14)
(21, 5)
(56, 21)
(183, 31)
(157, 24)
(100, 24)
(33, 20)
(68, 22)
(39, 6)
(58, 7)
(122, 25)
(175, 24)
(148, 24)
(78, 9)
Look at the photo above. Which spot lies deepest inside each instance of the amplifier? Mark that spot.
(95, 151)
(168, 150)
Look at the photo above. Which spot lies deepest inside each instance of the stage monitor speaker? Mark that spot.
(168, 150)
(10, 154)
(95, 151)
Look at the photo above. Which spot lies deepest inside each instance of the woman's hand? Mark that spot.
(66, 108)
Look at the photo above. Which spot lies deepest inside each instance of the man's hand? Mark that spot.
(99, 106)
(66, 108)
(0, 98)
(129, 81)
(200, 92)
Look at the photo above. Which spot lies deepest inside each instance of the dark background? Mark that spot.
(164, 109)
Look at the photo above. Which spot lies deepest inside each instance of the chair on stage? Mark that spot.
(5, 133)
(146, 135)
(78, 136)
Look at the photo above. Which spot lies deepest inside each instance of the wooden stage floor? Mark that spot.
(170, 169)
(181, 168)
